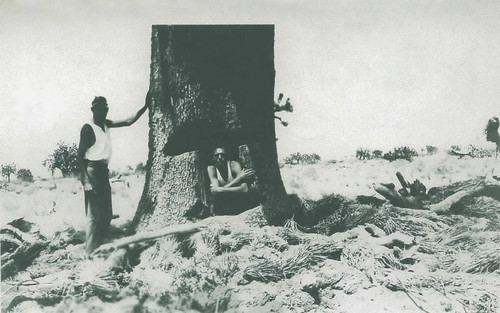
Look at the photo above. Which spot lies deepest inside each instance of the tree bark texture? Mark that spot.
(211, 86)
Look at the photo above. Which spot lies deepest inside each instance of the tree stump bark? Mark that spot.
(210, 86)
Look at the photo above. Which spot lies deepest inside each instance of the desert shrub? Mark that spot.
(377, 154)
(404, 153)
(25, 175)
(8, 169)
(63, 158)
(140, 168)
(292, 159)
(431, 150)
(480, 152)
(454, 150)
(311, 158)
(472, 151)
(363, 154)
(299, 158)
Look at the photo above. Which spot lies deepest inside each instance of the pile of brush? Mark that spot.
(294, 260)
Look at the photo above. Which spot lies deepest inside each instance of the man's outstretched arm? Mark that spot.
(131, 120)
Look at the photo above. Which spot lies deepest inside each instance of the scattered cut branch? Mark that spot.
(492, 191)
(396, 199)
(19, 249)
(461, 155)
(397, 238)
(150, 235)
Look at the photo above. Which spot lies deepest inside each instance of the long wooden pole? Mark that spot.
(149, 235)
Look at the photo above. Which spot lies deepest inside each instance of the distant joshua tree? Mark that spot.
(278, 108)
(404, 153)
(363, 154)
(299, 158)
(431, 150)
(491, 130)
(377, 154)
(63, 158)
(8, 169)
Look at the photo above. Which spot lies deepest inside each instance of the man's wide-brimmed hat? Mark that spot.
(99, 102)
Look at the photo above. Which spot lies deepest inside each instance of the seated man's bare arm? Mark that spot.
(236, 185)
(212, 175)
(215, 187)
(242, 175)
(241, 188)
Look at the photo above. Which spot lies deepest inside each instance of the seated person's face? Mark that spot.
(220, 156)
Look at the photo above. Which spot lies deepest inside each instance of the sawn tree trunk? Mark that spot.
(210, 86)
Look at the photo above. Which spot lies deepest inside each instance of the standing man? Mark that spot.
(229, 185)
(94, 153)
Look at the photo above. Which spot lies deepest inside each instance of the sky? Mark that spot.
(360, 73)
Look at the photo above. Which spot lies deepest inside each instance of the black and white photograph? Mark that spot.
(250, 156)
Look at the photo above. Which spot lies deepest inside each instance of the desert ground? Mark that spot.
(357, 257)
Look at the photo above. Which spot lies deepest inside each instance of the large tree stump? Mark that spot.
(210, 86)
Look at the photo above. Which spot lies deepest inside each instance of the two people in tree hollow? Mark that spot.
(229, 181)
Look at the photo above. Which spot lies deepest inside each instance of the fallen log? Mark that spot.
(18, 248)
(251, 217)
(18, 234)
(492, 191)
(43, 300)
(397, 238)
(149, 235)
(118, 261)
(461, 155)
(374, 230)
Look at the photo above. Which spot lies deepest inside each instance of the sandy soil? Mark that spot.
(450, 263)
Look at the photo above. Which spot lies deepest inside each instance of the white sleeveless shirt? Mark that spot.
(101, 150)
(230, 177)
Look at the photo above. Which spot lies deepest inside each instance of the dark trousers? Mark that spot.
(98, 209)
(234, 203)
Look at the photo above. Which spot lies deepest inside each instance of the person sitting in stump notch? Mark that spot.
(229, 185)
